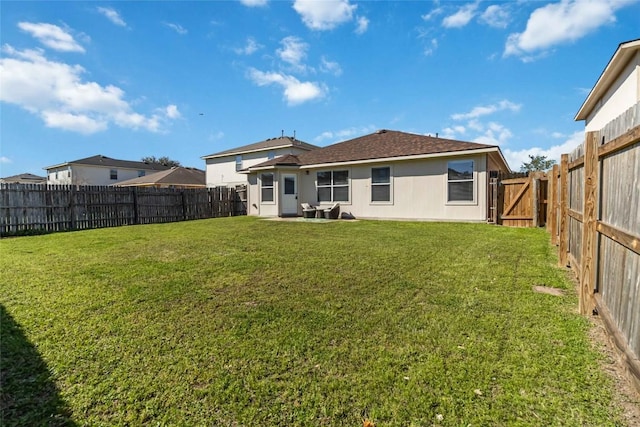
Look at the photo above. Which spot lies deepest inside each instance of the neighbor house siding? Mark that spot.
(221, 171)
(619, 97)
(89, 175)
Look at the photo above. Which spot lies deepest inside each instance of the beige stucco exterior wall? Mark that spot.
(221, 171)
(418, 191)
(622, 95)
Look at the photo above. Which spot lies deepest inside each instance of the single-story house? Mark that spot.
(99, 170)
(387, 175)
(223, 168)
(24, 178)
(176, 177)
(617, 88)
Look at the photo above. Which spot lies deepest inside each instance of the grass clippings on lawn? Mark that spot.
(238, 321)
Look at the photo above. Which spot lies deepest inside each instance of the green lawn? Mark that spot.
(246, 322)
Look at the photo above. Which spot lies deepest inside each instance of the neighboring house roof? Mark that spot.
(176, 176)
(104, 161)
(618, 61)
(268, 144)
(25, 178)
(383, 144)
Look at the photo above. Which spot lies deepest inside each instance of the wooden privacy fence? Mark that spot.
(26, 208)
(518, 199)
(594, 213)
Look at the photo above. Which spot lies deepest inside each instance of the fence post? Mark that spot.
(563, 235)
(589, 238)
(552, 205)
(136, 219)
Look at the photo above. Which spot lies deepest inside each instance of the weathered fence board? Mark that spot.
(602, 198)
(47, 208)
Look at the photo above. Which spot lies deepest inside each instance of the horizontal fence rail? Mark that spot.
(33, 208)
(596, 199)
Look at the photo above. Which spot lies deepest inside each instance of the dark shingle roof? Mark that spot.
(382, 144)
(177, 176)
(24, 178)
(386, 144)
(100, 160)
(267, 144)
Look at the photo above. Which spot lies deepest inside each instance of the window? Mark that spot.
(141, 173)
(238, 162)
(113, 173)
(460, 181)
(333, 186)
(271, 155)
(266, 187)
(381, 184)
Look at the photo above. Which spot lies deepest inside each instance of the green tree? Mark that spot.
(164, 161)
(537, 163)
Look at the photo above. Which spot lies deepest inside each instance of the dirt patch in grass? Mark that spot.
(626, 396)
(550, 291)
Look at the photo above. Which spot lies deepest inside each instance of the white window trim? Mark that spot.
(390, 184)
(473, 202)
(348, 185)
(273, 188)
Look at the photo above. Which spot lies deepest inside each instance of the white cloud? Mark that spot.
(559, 23)
(494, 134)
(516, 158)
(435, 12)
(496, 16)
(484, 110)
(250, 47)
(51, 36)
(112, 15)
(254, 3)
(293, 51)
(56, 92)
(80, 123)
(216, 136)
(344, 134)
(295, 91)
(453, 131)
(362, 25)
(330, 67)
(462, 17)
(4, 159)
(324, 15)
(171, 111)
(176, 27)
(431, 47)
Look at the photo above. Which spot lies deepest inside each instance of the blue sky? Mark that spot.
(187, 79)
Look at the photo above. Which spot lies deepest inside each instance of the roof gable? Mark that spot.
(615, 66)
(267, 144)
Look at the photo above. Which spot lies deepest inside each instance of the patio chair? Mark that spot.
(308, 211)
(332, 212)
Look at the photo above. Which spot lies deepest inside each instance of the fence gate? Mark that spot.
(523, 201)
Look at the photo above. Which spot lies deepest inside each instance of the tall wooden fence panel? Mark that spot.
(28, 208)
(522, 200)
(603, 233)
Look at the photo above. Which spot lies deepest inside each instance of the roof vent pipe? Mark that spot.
(282, 133)
(294, 134)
